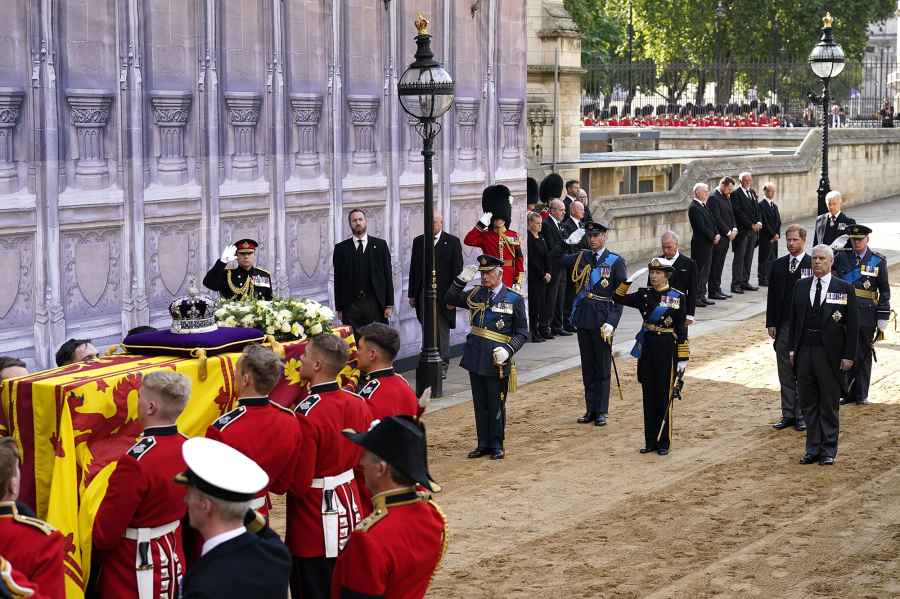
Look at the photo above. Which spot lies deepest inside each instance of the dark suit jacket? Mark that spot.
(448, 262)
(247, 566)
(379, 272)
(556, 243)
(684, 279)
(771, 220)
(722, 209)
(781, 288)
(746, 209)
(825, 234)
(587, 211)
(705, 229)
(539, 261)
(840, 335)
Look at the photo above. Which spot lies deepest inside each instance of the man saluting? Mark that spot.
(246, 280)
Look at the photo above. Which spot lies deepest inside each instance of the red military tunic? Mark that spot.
(15, 584)
(268, 434)
(325, 464)
(143, 501)
(504, 245)
(36, 548)
(394, 552)
(388, 394)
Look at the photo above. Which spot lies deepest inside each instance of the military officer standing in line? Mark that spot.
(596, 273)
(244, 281)
(661, 348)
(867, 271)
(499, 328)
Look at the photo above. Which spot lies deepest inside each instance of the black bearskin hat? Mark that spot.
(495, 199)
(533, 195)
(551, 188)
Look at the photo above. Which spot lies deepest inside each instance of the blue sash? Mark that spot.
(654, 319)
(853, 276)
(596, 275)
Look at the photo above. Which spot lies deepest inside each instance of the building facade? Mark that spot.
(139, 137)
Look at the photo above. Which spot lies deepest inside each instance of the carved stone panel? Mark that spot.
(465, 213)
(363, 116)
(171, 110)
(10, 107)
(90, 114)
(467, 133)
(172, 259)
(306, 110)
(16, 292)
(309, 254)
(243, 113)
(511, 119)
(91, 272)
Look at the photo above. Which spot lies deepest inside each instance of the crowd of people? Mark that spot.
(189, 517)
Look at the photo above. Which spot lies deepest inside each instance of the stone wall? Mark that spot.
(138, 137)
(863, 165)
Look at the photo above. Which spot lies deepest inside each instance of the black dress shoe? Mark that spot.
(535, 338)
(647, 449)
(562, 333)
(784, 423)
(736, 289)
(587, 418)
(718, 296)
(701, 302)
(600, 420)
(478, 452)
(749, 287)
(800, 425)
(709, 302)
(570, 329)
(865, 402)
(763, 283)
(498, 454)
(846, 400)
(809, 459)
(547, 334)
(826, 461)
(662, 451)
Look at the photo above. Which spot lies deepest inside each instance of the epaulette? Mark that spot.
(357, 395)
(35, 522)
(275, 404)
(369, 388)
(226, 419)
(371, 520)
(516, 293)
(263, 270)
(306, 406)
(140, 448)
(880, 255)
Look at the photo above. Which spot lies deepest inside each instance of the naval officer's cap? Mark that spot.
(221, 471)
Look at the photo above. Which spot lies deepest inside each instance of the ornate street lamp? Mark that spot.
(826, 60)
(426, 92)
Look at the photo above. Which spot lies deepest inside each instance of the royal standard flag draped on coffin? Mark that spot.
(72, 423)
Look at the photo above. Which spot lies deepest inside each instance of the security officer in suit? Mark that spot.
(499, 328)
(234, 562)
(824, 336)
(246, 280)
(596, 273)
(867, 271)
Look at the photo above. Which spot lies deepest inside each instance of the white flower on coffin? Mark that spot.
(231, 321)
(286, 327)
(315, 329)
(270, 330)
(326, 314)
(284, 314)
(221, 312)
(297, 330)
(248, 320)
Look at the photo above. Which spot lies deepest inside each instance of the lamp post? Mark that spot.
(720, 15)
(826, 60)
(426, 92)
(630, 30)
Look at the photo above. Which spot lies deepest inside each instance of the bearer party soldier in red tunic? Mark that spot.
(323, 504)
(35, 547)
(386, 392)
(490, 234)
(395, 551)
(136, 533)
(261, 429)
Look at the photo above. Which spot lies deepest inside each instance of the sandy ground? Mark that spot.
(576, 511)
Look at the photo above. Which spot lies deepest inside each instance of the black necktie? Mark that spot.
(359, 247)
(818, 301)
(793, 264)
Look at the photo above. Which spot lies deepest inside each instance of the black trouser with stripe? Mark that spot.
(656, 370)
(311, 577)
(596, 363)
(489, 401)
(861, 373)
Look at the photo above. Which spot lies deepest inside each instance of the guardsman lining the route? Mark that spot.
(246, 280)
(395, 551)
(596, 273)
(661, 348)
(492, 235)
(499, 328)
(867, 271)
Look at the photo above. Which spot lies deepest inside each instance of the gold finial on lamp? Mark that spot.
(421, 24)
(827, 20)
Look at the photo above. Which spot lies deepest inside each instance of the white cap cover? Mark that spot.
(221, 471)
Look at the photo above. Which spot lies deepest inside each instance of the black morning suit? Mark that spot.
(363, 281)
(778, 316)
(820, 339)
(556, 243)
(828, 229)
(721, 208)
(746, 214)
(247, 566)
(448, 262)
(539, 264)
(705, 229)
(869, 277)
(587, 211)
(768, 246)
(684, 279)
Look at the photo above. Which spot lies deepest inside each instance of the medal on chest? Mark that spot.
(500, 324)
(667, 321)
(867, 284)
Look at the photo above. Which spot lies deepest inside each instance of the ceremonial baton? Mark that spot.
(666, 414)
(612, 356)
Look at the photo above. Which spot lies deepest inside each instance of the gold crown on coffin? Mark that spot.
(827, 20)
(421, 24)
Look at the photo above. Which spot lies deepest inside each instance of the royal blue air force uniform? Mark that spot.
(869, 276)
(596, 275)
(496, 320)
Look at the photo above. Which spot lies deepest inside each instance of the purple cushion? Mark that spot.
(167, 343)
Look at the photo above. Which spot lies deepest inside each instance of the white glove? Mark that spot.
(468, 273)
(517, 288)
(635, 275)
(229, 254)
(882, 325)
(839, 242)
(500, 355)
(606, 331)
(486, 219)
(576, 237)
(681, 366)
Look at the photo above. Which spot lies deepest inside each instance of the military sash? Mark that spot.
(599, 272)
(869, 268)
(669, 298)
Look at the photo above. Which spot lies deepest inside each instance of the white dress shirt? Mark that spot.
(364, 239)
(496, 291)
(437, 237)
(220, 538)
(826, 280)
